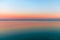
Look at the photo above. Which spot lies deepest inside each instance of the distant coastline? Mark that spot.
(44, 19)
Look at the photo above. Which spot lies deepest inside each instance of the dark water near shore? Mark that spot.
(43, 35)
(29, 30)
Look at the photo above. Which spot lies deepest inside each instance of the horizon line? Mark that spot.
(31, 19)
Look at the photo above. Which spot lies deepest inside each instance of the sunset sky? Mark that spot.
(29, 8)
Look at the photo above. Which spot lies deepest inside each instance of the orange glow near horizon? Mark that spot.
(26, 15)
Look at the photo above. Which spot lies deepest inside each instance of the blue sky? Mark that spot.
(29, 5)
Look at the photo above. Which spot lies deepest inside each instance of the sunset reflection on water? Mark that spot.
(10, 25)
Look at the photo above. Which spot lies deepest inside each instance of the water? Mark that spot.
(29, 30)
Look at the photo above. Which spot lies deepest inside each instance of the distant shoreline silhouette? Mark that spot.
(18, 19)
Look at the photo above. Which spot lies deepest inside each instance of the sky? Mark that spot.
(29, 8)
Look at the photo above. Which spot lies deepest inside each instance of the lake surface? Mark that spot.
(30, 30)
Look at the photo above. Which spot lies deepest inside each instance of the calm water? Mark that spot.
(29, 30)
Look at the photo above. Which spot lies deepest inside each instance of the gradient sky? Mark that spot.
(29, 8)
